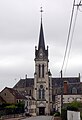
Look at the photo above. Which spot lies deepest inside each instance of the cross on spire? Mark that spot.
(41, 12)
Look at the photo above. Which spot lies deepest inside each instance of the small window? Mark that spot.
(30, 92)
(43, 71)
(39, 67)
(74, 90)
(17, 101)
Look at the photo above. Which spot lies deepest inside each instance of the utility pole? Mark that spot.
(61, 90)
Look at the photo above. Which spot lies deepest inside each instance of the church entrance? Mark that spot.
(41, 110)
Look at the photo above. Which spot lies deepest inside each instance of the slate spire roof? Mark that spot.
(41, 38)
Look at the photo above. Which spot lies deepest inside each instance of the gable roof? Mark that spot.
(72, 82)
(14, 93)
(56, 82)
(28, 82)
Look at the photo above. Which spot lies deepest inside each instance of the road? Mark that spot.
(40, 118)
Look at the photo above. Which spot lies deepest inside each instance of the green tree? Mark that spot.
(10, 109)
(73, 106)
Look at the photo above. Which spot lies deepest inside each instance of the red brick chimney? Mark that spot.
(65, 87)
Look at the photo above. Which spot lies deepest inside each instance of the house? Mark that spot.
(9, 95)
(71, 92)
(12, 96)
(30, 105)
(2, 101)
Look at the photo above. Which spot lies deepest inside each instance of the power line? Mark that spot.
(72, 33)
(71, 39)
(68, 35)
(69, 32)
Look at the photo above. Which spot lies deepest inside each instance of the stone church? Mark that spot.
(44, 89)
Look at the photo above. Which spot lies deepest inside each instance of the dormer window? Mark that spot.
(74, 90)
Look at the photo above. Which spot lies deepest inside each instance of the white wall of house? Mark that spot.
(73, 115)
(27, 104)
(33, 108)
(66, 99)
(71, 98)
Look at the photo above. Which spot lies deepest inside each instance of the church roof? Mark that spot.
(72, 82)
(28, 82)
(70, 87)
(56, 82)
(41, 38)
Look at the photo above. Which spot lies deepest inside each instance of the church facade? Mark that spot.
(45, 89)
(42, 84)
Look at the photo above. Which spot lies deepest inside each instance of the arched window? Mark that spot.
(39, 68)
(74, 90)
(42, 71)
(41, 92)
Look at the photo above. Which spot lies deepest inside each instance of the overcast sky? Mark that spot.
(19, 34)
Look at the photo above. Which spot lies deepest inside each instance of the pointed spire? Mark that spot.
(41, 36)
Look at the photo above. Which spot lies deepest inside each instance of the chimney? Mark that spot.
(26, 76)
(65, 87)
(79, 75)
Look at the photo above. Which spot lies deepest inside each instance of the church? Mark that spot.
(45, 90)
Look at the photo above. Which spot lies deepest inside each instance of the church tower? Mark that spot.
(42, 77)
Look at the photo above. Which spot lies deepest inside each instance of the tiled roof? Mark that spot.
(16, 93)
(28, 82)
(56, 82)
(71, 82)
